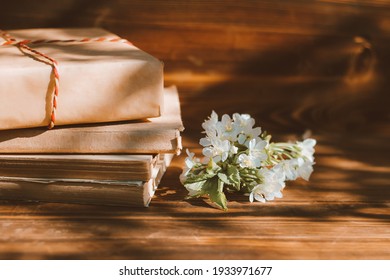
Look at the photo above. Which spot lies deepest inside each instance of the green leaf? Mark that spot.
(231, 177)
(193, 178)
(224, 178)
(214, 188)
(195, 189)
(234, 176)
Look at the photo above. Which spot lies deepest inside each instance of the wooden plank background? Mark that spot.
(295, 66)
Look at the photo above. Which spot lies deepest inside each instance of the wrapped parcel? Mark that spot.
(99, 81)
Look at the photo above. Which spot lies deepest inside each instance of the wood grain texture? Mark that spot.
(321, 66)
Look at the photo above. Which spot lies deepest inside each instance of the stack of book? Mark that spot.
(116, 128)
(110, 164)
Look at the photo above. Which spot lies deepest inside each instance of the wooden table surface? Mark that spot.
(323, 67)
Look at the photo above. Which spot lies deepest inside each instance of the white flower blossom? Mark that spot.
(305, 168)
(218, 150)
(248, 134)
(205, 142)
(289, 168)
(294, 168)
(256, 149)
(210, 125)
(246, 161)
(306, 161)
(307, 148)
(243, 121)
(190, 162)
(273, 183)
(244, 125)
(226, 129)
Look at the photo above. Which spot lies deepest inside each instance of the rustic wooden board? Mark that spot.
(295, 66)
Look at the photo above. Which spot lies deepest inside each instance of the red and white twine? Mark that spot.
(23, 44)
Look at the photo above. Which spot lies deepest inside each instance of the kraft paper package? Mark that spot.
(99, 80)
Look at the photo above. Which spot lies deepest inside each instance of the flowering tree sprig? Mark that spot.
(239, 157)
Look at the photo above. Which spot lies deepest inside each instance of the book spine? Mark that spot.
(101, 192)
(90, 143)
(66, 192)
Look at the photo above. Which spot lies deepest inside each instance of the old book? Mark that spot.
(94, 167)
(99, 80)
(101, 192)
(150, 136)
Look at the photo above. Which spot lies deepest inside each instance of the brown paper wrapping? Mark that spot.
(99, 81)
(153, 136)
